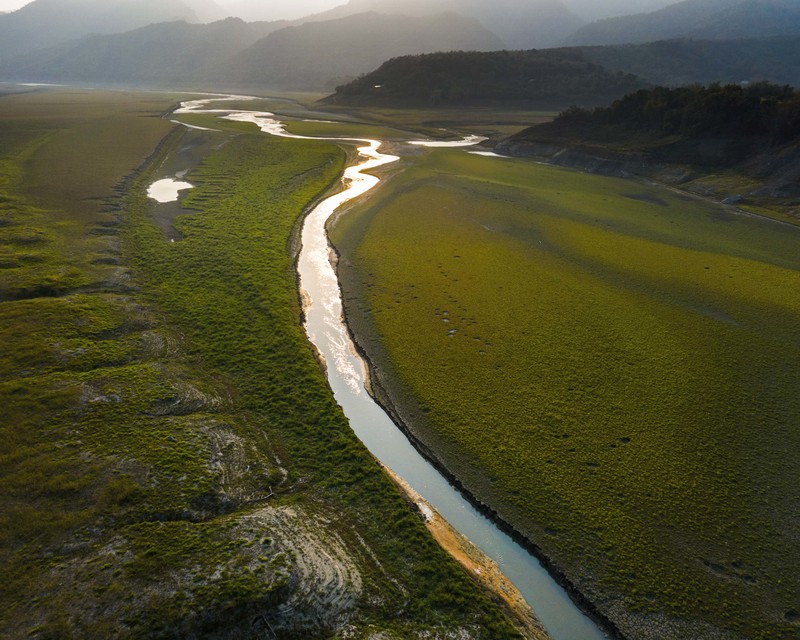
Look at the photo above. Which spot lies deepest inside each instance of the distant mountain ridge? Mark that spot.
(318, 54)
(163, 53)
(47, 41)
(235, 54)
(47, 23)
(697, 19)
(683, 62)
(520, 25)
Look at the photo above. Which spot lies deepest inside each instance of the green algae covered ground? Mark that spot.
(172, 462)
(611, 365)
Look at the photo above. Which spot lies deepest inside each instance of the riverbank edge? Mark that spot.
(521, 613)
(377, 389)
(481, 567)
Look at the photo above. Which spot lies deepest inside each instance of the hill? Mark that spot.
(177, 53)
(698, 19)
(47, 23)
(319, 54)
(682, 62)
(591, 10)
(533, 79)
(753, 131)
(520, 25)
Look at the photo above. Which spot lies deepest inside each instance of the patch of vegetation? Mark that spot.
(533, 79)
(611, 365)
(171, 455)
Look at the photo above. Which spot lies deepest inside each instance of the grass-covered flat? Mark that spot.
(612, 366)
(172, 461)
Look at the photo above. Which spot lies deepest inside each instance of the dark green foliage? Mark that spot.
(674, 122)
(761, 110)
(530, 79)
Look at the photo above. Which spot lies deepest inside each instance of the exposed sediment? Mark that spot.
(482, 568)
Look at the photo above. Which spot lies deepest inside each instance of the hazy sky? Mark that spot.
(587, 8)
(11, 5)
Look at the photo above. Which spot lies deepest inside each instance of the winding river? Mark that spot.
(326, 328)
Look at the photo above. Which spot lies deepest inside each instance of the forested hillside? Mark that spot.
(733, 143)
(673, 123)
(533, 79)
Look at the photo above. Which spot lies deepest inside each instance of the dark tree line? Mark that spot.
(762, 110)
(549, 78)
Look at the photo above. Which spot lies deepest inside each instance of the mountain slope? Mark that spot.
(699, 19)
(682, 62)
(46, 23)
(754, 131)
(163, 53)
(320, 54)
(234, 54)
(591, 10)
(520, 25)
(531, 79)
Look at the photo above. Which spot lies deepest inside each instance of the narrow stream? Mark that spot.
(346, 374)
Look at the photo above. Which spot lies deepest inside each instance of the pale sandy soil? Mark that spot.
(481, 567)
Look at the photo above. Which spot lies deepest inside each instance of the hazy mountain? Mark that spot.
(231, 53)
(322, 54)
(699, 19)
(520, 25)
(172, 53)
(682, 62)
(45, 23)
(594, 10)
(547, 79)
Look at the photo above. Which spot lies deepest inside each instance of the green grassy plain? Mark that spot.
(612, 366)
(155, 394)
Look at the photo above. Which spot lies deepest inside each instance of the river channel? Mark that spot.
(326, 328)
